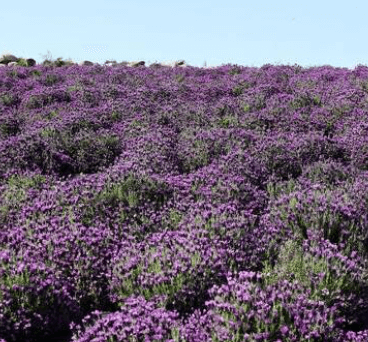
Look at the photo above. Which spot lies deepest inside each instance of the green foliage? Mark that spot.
(326, 173)
(36, 73)
(88, 151)
(131, 192)
(11, 128)
(80, 125)
(129, 285)
(260, 102)
(282, 163)
(306, 84)
(22, 62)
(304, 101)
(173, 220)
(116, 116)
(41, 100)
(51, 79)
(138, 123)
(228, 121)
(24, 182)
(47, 62)
(365, 86)
(8, 100)
(235, 71)
(111, 92)
(295, 265)
(92, 152)
(13, 197)
(21, 279)
(59, 62)
(77, 86)
(246, 108)
(238, 90)
(52, 114)
(47, 132)
(180, 78)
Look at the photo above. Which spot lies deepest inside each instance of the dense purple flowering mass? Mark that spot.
(146, 204)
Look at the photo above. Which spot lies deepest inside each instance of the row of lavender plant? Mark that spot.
(183, 204)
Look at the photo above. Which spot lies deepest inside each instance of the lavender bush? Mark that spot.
(183, 204)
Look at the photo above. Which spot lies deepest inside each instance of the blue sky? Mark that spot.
(201, 32)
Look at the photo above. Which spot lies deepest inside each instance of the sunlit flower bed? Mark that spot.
(183, 204)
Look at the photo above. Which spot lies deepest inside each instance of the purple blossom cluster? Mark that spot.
(147, 204)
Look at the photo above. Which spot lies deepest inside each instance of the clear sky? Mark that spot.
(201, 32)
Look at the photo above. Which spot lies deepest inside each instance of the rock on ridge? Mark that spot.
(11, 60)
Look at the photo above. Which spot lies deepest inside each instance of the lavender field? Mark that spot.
(183, 204)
